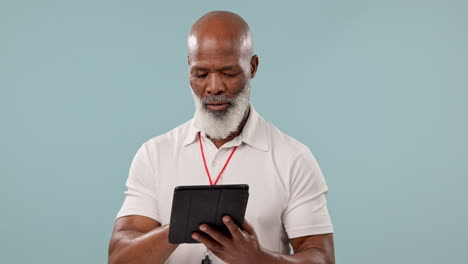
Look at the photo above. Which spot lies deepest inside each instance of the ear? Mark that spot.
(253, 66)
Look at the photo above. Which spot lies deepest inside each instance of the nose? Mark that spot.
(215, 84)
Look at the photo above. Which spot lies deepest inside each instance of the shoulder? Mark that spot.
(291, 156)
(294, 162)
(168, 141)
(283, 143)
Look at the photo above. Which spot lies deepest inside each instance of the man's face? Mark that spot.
(217, 74)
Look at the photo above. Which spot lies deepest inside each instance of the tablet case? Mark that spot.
(205, 204)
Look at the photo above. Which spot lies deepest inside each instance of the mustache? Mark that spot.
(217, 99)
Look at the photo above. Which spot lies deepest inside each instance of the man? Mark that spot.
(287, 202)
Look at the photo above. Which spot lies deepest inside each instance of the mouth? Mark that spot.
(217, 106)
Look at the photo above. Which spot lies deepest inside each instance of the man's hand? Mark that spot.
(243, 247)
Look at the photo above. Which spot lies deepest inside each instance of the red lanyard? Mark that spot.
(204, 161)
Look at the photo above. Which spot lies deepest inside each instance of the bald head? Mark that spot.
(221, 65)
(220, 31)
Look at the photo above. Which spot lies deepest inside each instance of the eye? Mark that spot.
(201, 76)
(229, 74)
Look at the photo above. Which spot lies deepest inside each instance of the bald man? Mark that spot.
(287, 204)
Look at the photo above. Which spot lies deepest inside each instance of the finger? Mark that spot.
(215, 234)
(209, 243)
(233, 228)
(248, 227)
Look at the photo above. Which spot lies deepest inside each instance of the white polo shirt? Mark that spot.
(287, 191)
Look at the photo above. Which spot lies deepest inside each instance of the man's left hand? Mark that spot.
(243, 247)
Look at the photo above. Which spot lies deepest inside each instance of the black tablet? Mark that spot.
(205, 204)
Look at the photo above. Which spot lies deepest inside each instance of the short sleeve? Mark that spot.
(140, 196)
(307, 212)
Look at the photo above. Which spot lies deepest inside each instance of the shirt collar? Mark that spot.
(253, 134)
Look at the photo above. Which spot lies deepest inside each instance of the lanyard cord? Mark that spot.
(206, 167)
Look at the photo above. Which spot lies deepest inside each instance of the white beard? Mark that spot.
(221, 124)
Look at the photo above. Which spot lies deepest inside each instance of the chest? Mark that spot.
(267, 191)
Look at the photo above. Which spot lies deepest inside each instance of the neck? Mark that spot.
(219, 142)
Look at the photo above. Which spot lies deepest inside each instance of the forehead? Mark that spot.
(213, 51)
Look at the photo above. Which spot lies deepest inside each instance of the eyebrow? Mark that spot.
(225, 68)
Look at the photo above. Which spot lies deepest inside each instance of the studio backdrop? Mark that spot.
(378, 90)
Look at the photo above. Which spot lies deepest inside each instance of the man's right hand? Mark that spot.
(139, 239)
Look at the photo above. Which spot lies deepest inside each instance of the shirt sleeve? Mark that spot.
(307, 212)
(140, 196)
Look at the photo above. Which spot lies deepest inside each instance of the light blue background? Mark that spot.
(376, 89)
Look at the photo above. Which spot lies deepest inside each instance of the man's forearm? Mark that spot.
(306, 256)
(142, 248)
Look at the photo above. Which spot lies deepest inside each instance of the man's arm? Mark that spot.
(315, 249)
(139, 239)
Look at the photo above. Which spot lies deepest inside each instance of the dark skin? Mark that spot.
(243, 246)
(138, 240)
(217, 64)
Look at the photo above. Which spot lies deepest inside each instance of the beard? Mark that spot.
(221, 124)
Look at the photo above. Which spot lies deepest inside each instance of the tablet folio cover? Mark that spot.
(205, 204)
